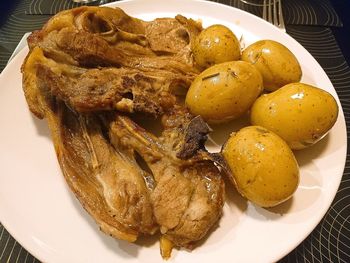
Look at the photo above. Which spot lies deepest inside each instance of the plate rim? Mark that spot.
(35, 252)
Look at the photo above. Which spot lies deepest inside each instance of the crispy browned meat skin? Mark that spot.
(189, 194)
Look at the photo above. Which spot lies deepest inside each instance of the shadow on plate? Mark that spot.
(305, 156)
(221, 132)
(233, 198)
(273, 213)
(41, 126)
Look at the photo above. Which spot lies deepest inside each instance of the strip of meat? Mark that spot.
(91, 50)
(131, 36)
(142, 62)
(85, 90)
(189, 194)
(106, 180)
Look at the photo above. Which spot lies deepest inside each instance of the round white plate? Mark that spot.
(38, 209)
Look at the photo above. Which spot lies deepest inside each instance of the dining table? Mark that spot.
(310, 22)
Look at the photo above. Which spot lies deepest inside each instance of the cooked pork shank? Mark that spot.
(97, 155)
(188, 194)
(85, 69)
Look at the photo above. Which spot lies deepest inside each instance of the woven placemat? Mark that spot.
(296, 12)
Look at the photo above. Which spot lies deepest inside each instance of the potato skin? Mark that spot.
(214, 45)
(276, 63)
(300, 114)
(224, 91)
(264, 169)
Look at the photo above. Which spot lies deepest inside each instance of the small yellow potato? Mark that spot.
(263, 167)
(224, 91)
(300, 114)
(214, 45)
(276, 63)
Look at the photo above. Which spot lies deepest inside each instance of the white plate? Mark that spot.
(38, 209)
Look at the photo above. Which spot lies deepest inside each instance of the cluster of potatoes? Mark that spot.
(286, 115)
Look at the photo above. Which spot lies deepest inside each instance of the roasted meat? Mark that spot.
(102, 59)
(124, 89)
(106, 180)
(188, 194)
(88, 70)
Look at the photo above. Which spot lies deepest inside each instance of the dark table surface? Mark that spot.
(330, 240)
(342, 34)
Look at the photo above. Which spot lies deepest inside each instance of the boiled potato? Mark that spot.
(224, 91)
(264, 169)
(276, 63)
(214, 45)
(299, 113)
